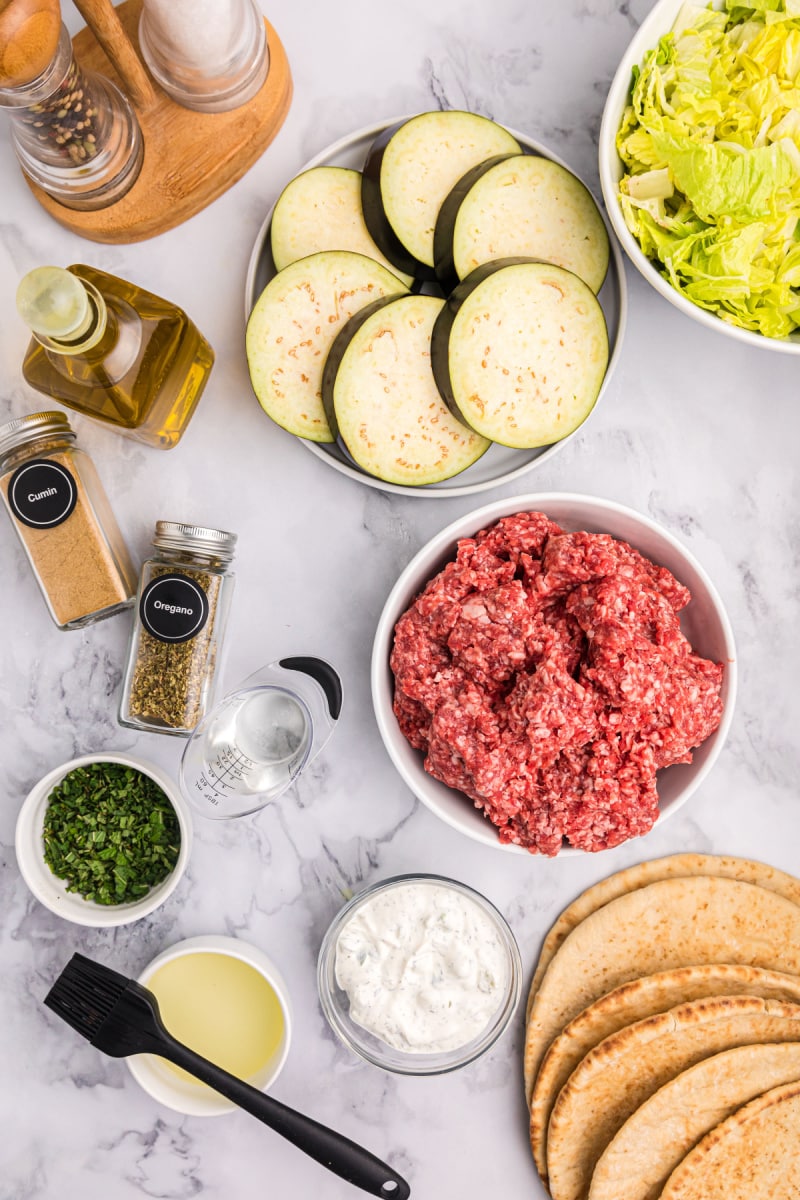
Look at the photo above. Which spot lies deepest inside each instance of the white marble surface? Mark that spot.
(694, 430)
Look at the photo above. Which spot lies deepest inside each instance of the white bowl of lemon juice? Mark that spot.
(226, 1000)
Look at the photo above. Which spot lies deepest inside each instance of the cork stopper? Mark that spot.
(29, 31)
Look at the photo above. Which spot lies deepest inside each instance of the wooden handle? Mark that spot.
(102, 19)
(29, 31)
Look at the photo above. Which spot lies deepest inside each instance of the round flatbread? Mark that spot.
(615, 1078)
(642, 874)
(651, 1144)
(633, 1002)
(754, 1155)
(680, 922)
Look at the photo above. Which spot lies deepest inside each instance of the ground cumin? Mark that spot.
(82, 564)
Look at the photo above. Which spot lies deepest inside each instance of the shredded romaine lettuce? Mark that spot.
(710, 143)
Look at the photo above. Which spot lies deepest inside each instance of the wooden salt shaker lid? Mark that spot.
(29, 31)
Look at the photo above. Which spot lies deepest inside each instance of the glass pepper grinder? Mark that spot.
(208, 55)
(73, 131)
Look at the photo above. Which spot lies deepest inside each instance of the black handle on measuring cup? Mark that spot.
(327, 678)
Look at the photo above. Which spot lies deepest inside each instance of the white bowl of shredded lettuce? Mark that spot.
(700, 163)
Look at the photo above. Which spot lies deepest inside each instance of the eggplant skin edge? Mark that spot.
(377, 222)
(440, 337)
(375, 217)
(444, 264)
(337, 351)
(333, 364)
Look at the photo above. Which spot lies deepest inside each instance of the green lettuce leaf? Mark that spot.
(724, 181)
(710, 143)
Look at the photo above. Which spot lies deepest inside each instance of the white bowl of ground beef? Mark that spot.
(551, 690)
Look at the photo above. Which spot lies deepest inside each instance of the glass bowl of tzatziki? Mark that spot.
(419, 974)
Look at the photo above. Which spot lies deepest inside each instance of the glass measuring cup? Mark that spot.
(257, 740)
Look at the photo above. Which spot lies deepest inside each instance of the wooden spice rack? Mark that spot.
(190, 158)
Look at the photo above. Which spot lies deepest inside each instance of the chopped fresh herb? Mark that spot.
(111, 832)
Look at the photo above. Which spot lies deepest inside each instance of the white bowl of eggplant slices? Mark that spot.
(103, 840)
(434, 305)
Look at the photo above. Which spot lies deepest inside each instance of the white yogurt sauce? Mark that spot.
(423, 966)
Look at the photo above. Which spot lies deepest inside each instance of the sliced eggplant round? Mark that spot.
(293, 326)
(519, 352)
(520, 206)
(411, 168)
(321, 210)
(379, 389)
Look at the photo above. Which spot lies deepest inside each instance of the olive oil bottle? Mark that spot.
(111, 350)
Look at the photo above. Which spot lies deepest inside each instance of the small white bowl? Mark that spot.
(658, 22)
(195, 1099)
(51, 891)
(704, 622)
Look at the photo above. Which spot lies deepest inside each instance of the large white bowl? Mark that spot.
(51, 891)
(659, 21)
(703, 621)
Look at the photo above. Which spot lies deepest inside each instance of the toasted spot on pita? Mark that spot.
(753, 1155)
(634, 1001)
(610, 1083)
(660, 1133)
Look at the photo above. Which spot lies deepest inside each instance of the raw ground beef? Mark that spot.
(545, 675)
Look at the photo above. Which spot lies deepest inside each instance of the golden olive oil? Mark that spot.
(135, 361)
(221, 1008)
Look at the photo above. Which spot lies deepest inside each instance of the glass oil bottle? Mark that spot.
(111, 350)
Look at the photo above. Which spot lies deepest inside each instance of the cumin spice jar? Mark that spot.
(63, 518)
(181, 612)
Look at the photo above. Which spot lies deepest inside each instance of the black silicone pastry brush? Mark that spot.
(120, 1017)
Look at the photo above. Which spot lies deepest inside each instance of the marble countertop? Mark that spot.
(694, 430)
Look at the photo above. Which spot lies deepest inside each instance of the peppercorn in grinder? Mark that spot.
(75, 134)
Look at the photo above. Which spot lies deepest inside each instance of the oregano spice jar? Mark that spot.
(63, 518)
(181, 612)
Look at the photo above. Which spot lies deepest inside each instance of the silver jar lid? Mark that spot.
(23, 430)
(172, 535)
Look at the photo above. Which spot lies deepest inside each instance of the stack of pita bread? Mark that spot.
(662, 1050)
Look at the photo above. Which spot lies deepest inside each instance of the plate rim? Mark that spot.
(371, 131)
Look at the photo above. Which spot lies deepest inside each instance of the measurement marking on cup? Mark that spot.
(249, 750)
(237, 768)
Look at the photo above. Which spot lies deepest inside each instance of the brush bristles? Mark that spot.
(85, 993)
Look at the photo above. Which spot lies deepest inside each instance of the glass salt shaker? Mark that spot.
(175, 646)
(74, 132)
(62, 516)
(208, 55)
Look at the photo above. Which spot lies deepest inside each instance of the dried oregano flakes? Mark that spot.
(110, 832)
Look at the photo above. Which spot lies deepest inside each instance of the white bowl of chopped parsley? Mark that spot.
(103, 840)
